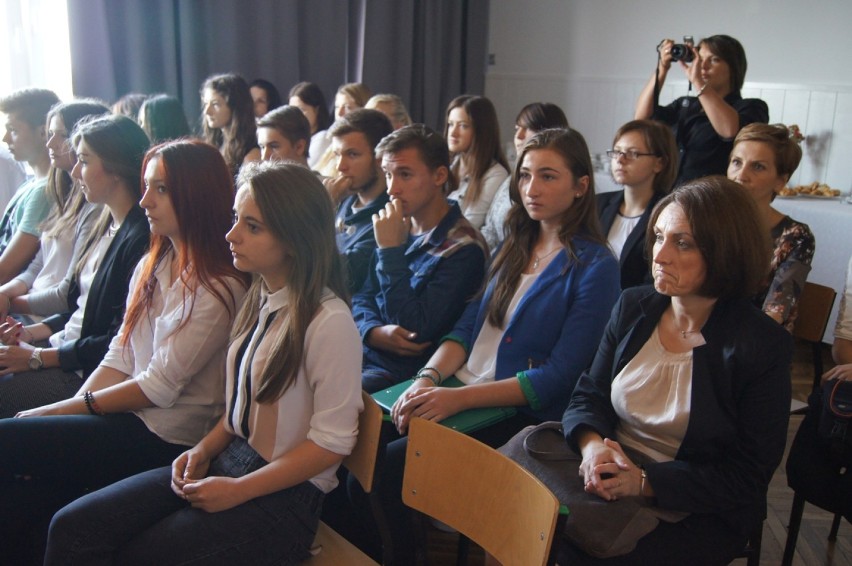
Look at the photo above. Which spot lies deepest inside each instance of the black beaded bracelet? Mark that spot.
(91, 404)
(440, 379)
(426, 376)
(88, 401)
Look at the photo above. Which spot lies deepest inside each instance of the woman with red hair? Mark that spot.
(159, 389)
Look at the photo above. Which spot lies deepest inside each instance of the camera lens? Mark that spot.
(681, 52)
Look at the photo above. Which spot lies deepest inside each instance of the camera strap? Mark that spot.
(657, 79)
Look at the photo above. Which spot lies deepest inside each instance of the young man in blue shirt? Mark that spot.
(430, 261)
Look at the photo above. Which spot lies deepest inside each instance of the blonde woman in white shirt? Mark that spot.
(251, 491)
(159, 389)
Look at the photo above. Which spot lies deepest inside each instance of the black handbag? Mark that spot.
(835, 420)
(600, 528)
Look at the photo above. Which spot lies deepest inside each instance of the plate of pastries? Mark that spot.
(814, 190)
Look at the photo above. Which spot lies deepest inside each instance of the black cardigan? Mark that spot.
(107, 296)
(635, 269)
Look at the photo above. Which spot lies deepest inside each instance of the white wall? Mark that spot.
(592, 57)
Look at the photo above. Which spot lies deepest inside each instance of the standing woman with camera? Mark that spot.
(705, 124)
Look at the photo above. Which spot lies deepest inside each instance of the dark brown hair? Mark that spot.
(580, 219)
(725, 224)
(372, 123)
(311, 94)
(540, 116)
(731, 51)
(485, 146)
(239, 136)
(661, 142)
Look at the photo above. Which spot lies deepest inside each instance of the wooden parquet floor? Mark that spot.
(813, 547)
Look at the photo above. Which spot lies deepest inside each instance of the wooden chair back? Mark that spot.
(479, 492)
(329, 547)
(815, 305)
(361, 463)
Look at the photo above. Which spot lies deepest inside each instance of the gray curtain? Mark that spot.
(426, 51)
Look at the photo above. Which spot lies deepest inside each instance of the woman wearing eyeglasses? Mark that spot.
(644, 162)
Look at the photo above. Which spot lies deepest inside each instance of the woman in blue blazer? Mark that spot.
(644, 161)
(535, 329)
(688, 398)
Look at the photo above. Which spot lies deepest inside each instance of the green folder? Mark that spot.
(466, 421)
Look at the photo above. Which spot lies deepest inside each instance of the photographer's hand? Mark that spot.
(693, 70)
(645, 103)
(665, 50)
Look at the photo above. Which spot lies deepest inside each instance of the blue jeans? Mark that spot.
(140, 520)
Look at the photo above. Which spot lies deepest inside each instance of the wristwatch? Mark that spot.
(36, 362)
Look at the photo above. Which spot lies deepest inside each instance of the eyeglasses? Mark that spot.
(630, 154)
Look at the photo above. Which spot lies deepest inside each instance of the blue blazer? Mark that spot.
(556, 328)
(738, 413)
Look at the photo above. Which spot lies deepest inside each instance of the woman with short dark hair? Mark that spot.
(688, 397)
(704, 125)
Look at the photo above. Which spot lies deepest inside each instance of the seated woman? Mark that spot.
(763, 159)
(688, 397)
(265, 97)
(159, 388)
(110, 151)
(532, 119)
(705, 124)
(308, 98)
(228, 119)
(644, 162)
(473, 136)
(535, 329)
(252, 489)
(43, 288)
(163, 119)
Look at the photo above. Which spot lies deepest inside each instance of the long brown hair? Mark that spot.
(239, 136)
(121, 144)
(485, 147)
(661, 142)
(297, 210)
(68, 199)
(200, 189)
(580, 219)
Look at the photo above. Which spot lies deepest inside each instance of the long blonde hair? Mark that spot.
(297, 210)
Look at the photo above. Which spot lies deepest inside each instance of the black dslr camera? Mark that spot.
(683, 51)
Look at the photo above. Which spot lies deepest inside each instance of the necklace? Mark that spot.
(683, 333)
(539, 258)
